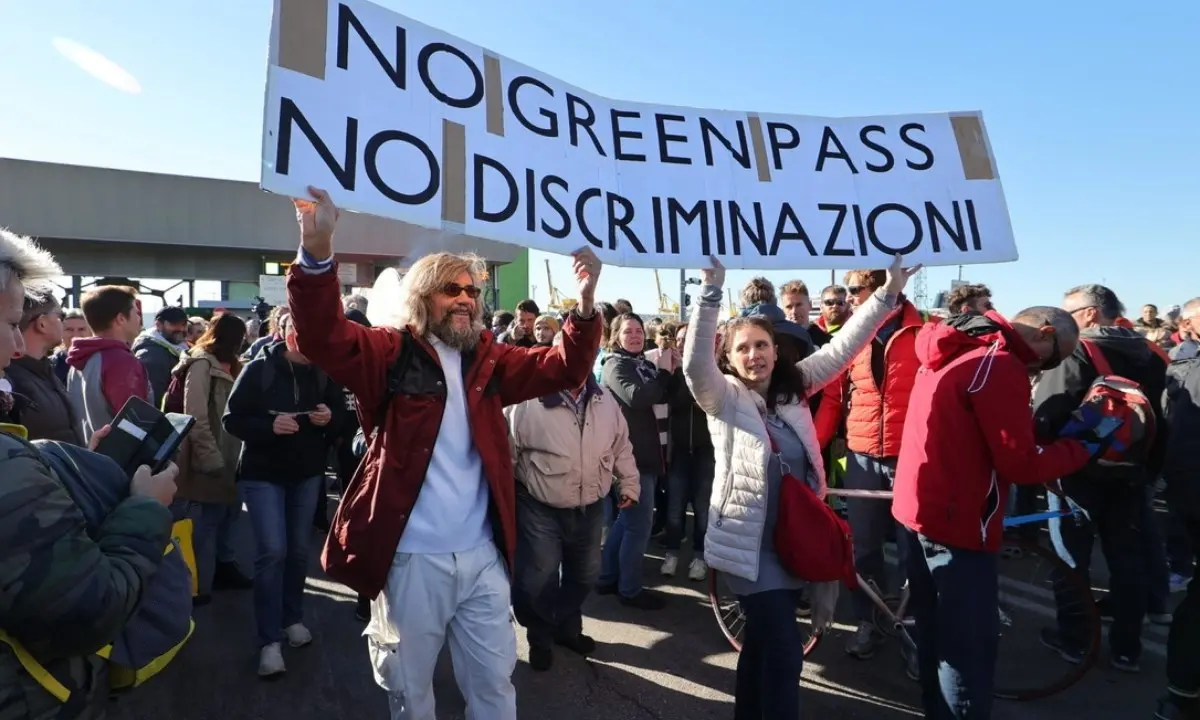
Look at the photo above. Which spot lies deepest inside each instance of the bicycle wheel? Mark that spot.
(1039, 592)
(728, 612)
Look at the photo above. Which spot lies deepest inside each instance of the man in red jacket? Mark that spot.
(969, 436)
(428, 525)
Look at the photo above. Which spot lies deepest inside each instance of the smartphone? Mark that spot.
(141, 434)
(1108, 426)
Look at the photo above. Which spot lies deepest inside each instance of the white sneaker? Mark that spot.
(698, 570)
(270, 661)
(670, 564)
(297, 635)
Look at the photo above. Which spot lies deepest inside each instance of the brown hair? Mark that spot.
(787, 381)
(223, 339)
(870, 279)
(102, 305)
(758, 291)
(614, 330)
(794, 286)
(965, 294)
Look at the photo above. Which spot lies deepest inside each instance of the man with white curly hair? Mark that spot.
(428, 526)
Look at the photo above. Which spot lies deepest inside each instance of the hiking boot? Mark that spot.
(864, 642)
(1125, 664)
(1065, 649)
(670, 564)
(579, 644)
(645, 600)
(227, 576)
(297, 635)
(540, 657)
(270, 661)
(698, 570)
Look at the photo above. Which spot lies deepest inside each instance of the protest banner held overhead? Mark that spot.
(401, 120)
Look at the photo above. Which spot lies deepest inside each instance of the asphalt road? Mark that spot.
(667, 665)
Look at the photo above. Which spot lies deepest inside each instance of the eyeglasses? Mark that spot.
(833, 302)
(453, 290)
(855, 289)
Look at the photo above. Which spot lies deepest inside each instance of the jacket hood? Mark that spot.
(82, 350)
(1120, 341)
(938, 344)
(151, 338)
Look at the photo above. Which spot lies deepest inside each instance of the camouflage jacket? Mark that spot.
(65, 593)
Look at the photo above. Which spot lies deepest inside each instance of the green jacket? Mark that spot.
(65, 594)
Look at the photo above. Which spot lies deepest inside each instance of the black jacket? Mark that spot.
(689, 424)
(637, 398)
(41, 402)
(1181, 464)
(293, 388)
(1059, 391)
(159, 359)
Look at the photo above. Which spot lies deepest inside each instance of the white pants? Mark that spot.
(461, 597)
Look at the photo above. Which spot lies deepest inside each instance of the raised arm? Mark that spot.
(709, 387)
(354, 356)
(827, 364)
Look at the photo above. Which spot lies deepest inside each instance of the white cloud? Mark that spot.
(98, 66)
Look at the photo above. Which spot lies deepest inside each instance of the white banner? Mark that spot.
(398, 119)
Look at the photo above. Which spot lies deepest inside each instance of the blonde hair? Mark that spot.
(427, 276)
(551, 322)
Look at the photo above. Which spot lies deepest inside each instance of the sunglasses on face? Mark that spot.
(453, 290)
(855, 289)
(833, 302)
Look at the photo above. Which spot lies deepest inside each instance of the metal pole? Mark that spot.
(682, 295)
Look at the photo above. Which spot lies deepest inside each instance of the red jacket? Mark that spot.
(969, 433)
(372, 515)
(876, 411)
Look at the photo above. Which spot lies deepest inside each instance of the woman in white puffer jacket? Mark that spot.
(750, 400)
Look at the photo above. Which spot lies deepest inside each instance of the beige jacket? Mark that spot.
(564, 467)
(209, 456)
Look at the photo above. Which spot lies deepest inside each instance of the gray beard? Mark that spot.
(463, 340)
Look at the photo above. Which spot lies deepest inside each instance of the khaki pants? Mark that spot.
(462, 598)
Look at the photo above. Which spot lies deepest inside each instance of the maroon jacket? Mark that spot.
(375, 509)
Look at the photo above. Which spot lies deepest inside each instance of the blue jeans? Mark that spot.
(955, 601)
(690, 481)
(625, 547)
(281, 515)
(768, 669)
(212, 537)
(871, 522)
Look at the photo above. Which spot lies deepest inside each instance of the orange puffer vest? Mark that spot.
(876, 419)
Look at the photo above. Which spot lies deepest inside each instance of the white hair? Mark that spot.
(25, 261)
(1190, 309)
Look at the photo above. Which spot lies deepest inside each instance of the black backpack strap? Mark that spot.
(391, 387)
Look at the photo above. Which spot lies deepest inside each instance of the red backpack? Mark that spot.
(1119, 397)
(812, 541)
(172, 401)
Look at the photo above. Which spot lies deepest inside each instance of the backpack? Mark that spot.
(395, 373)
(172, 401)
(1113, 396)
(162, 624)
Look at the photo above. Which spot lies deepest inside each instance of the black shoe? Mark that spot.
(362, 610)
(606, 589)
(1174, 707)
(645, 600)
(227, 576)
(540, 658)
(201, 600)
(579, 644)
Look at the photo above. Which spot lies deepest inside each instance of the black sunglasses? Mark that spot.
(453, 290)
(855, 289)
(833, 302)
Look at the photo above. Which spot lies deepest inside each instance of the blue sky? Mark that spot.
(1090, 105)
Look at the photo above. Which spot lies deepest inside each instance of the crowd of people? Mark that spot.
(516, 466)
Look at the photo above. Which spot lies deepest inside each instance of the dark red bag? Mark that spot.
(812, 541)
